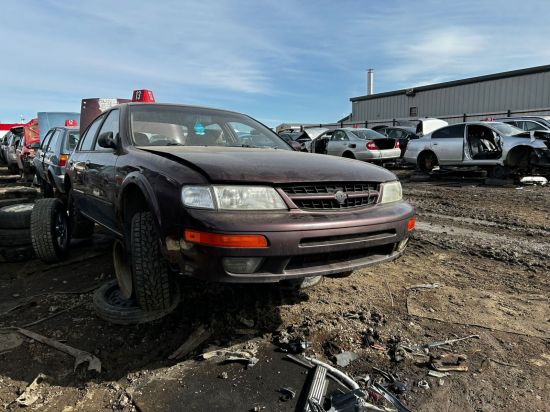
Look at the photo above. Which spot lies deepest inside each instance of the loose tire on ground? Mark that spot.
(110, 305)
(81, 227)
(50, 232)
(15, 237)
(152, 284)
(16, 216)
(304, 283)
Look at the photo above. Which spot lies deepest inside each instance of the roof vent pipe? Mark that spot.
(370, 81)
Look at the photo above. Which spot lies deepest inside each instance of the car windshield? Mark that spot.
(159, 125)
(72, 139)
(367, 134)
(505, 129)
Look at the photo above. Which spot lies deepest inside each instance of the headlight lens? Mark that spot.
(233, 197)
(197, 196)
(391, 192)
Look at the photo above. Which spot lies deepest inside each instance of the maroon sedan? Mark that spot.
(219, 196)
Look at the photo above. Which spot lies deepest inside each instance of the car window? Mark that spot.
(46, 140)
(162, 125)
(529, 125)
(89, 135)
(54, 140)
(339, 136)
(109, 125)
(456, 131)
(72, 139)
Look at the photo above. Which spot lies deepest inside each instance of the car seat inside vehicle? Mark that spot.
(482, 142)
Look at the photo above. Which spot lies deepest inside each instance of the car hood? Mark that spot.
(228, 164)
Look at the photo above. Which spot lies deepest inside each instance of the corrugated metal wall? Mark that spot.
(530, 91)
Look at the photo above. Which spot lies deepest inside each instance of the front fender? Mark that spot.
(138, 179)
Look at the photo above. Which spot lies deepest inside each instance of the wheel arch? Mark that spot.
(519, 157)
(425, 152)
(348, 154)
(137, 195)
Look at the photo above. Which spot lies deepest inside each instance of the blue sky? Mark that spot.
(278, 61)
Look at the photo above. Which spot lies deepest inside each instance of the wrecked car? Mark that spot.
(357, 143)
(497, 147)
(216, 195)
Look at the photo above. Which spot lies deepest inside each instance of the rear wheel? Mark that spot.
(348, 155)
(151, 275)
(50, 233)
(427, 161)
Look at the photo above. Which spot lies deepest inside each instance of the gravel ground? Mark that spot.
(484, 248)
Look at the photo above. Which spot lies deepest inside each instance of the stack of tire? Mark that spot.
(15, 235)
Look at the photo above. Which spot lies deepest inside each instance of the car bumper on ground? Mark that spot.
(299, 245)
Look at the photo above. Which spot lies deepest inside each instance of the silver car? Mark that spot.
(498, 147)
(360, 144)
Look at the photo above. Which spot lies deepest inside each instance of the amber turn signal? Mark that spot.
(411, 223)
(225, 240)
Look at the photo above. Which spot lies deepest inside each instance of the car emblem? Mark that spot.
(340, 197)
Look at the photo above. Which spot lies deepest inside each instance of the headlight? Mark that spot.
(197, 196)
(391, 192)
(232, 197)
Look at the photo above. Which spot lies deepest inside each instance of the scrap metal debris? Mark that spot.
(247, 356)
(450, 362)
(343, 359)
(449, 341)
(197, 338)
(79, 356)
(287, 394)
(437, 374)
(31, 393)
(423, 286)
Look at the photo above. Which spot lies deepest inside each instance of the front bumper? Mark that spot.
(300, 244)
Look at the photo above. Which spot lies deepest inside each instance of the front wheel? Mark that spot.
(426, 162)
(50, 234)
(151, 275)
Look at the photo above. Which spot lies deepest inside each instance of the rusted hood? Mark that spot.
(227, 164)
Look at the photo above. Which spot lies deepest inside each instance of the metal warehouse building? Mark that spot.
(517, 92)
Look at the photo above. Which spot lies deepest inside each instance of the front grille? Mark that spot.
(332, 196)
(331, 258)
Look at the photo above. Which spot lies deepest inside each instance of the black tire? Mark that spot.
(13, 169)
(16, 253)
(81, 227)
(50, 232)
(348, 155)
(499, 172)
(16, 216)
(110, 305)
(15, 237)
(427, 161)
(341, 275)
(152, 286)
(304, 283)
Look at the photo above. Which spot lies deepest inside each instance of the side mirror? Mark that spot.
(35, 146)
(106, 140)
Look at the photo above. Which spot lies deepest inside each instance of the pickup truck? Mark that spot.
(216, 195)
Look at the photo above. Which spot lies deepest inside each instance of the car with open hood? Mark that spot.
(498, 147)
(216, 195)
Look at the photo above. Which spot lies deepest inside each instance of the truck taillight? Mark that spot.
(397, 145)
(371, 145)
(63, 159)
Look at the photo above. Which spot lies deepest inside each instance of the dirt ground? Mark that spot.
(484, 250)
